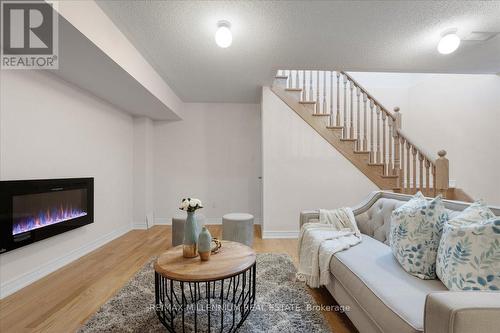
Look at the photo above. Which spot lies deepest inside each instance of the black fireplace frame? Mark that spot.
(11, 188)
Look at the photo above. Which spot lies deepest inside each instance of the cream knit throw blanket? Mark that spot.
(318, 242)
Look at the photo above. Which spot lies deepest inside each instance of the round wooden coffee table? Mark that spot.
(215, 295)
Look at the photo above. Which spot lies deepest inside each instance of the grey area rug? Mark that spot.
(282, 304)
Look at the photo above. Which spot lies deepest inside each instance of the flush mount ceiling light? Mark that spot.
(223, 35)
(449, 43)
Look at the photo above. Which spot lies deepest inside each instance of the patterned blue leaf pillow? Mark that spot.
(416, 228)
(469, 251)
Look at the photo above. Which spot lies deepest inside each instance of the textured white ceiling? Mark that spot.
(177, 37)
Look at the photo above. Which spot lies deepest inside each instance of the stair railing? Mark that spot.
(372, 127)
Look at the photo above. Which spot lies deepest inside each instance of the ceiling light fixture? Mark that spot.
(449, 43)
(223, 35)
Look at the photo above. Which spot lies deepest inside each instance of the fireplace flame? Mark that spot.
(45, 218)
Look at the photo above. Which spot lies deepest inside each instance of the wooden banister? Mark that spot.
(382, 107)
(374, 134)
(408, 140)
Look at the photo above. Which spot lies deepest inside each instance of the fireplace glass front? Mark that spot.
(33, 210)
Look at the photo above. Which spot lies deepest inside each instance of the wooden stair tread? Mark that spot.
(360, 160)
(382, 174)
(281, 77)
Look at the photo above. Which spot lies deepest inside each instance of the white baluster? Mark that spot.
(378, 159)
(384, 149)
(337, 116)
(311, 95)
(421, 171)
(402, 167)
(318, 101)
(408, 168)
(372, 146)
(358, 122)
(414, 169)
(351, 118)
(345, 132)
(331, 100)
(427, 176)
(390, 146)
(297, 80)
(304, 86)
(365, 124)
(325, 110)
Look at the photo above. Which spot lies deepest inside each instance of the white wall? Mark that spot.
(456, 112)
(390, 89)
(461, 114)
(212, 154)
(51, 129)
(143, 173)
(301, 170)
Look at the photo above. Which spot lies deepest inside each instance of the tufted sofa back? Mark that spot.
(373, 214)
(376, 220)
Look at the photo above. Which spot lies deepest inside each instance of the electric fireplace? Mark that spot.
(32, 210)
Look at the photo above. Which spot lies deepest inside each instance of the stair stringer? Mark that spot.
(346, 148)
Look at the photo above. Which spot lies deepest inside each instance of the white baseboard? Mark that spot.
(11, 286)
(162, 221)
(279, 234)
(208, 220)
(139, 226)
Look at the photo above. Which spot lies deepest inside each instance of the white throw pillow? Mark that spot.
(469, 251)
(416, 230)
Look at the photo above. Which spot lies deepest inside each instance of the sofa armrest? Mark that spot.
(306, 216)
(462, 312)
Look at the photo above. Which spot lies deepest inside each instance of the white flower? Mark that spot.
(190, 204)
(184, 204)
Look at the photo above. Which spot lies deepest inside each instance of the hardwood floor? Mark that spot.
(65, 299)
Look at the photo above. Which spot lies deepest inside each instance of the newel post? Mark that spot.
(442, 173)
(397, 118)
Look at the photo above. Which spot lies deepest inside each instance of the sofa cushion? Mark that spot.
(469, 250)
(393, 298)
(416, 230)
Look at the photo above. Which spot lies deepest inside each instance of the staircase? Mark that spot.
(365, 132)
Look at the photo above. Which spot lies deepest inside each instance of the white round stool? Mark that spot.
(178, 223)
(238, 227)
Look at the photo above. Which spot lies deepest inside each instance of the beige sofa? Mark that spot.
(384, 298)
